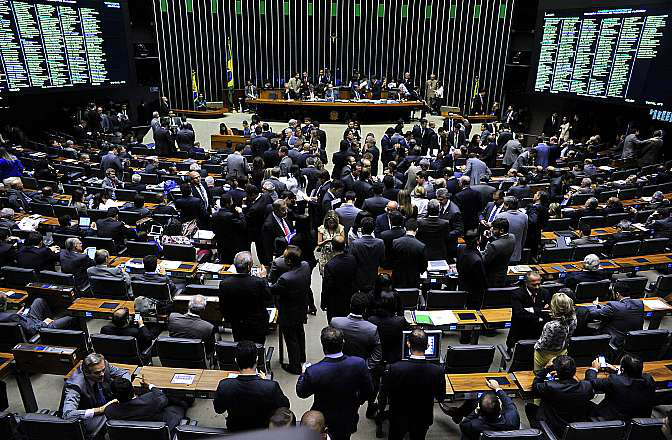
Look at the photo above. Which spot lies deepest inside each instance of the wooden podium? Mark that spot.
(218, 141)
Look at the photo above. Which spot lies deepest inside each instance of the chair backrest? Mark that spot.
(635, 287)
(558, 224)
(104, 287)
(523, 356)
(556, 254)
(125, 195)
(11, 333)
(100, 243)
(653, 246)
(593, 221)
(579, 199)
(518, 434)
(580, 252)
(646, 344)
(645, 429)
(589, 290)
(552, 288)
(409, 297)
(59, 239)
(191, 432)
(129, 217)
(446, 300)
(126, 429)
(642, 216)
(612, 430)
(45, 426)
(29, 182)
(8, 426)
(625, 248)
(584, 349)
(498, 297)
(468, 358)
(158, 291)
(70, 189)
(17, 276)
(41, 208)
(96, 214)
(65, 338)
(663, 286)
(225, 352)
(60, 210)
(58, 278)
(151, 179)
(181, 352)
(179, 252)
(139, 249)
(614, 219)
(605, 195)
(200, 289)
(629, 193)
(121, 349)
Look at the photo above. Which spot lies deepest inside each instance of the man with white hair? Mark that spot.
(591, 272)
(75, 262)
(7, 219)
(191, 325)
(136, 184)
(156, 122)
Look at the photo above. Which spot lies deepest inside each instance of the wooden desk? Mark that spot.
(463, 323)
(15, 303)
(555, 270)
(87, 308)
(189, 269)
(496, 318)
(518, 275)
(641, 261)
(44, 359)
(467, 386)
(128, 367)
(58, 297)
(598, 232)
(162, 377)
(202, 114)
(5, 363)
(218, 141)
(209, 381)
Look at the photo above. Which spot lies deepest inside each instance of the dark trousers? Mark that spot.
(400, 426)
(295, 338)
(39, 311)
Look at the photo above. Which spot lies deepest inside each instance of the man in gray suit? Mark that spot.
(498, 253)
(517, 225)
(190, 325)
(512, 150)
(369, 253)
(619, 316)
(285, 161)
(476, 168)
(236, 164)
(347, 212)
(87, 392)
(101, 269)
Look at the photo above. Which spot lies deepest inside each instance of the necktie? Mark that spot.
(203, 195)
(284, 227)
(494, 212)
(100, 396)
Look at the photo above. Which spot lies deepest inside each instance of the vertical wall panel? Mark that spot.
(458, 40)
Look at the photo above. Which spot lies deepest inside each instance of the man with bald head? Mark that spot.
(315, 420)
(383, 222)
(198, 189)
(124, 325)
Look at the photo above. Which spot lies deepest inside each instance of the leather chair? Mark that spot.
(11, 333)
(201, 289)
(126, 429)
(179, 252)
(181, 352)
(590, 290)
(584, 349)
(652, 246)
(17, 277)
(460, 359)
(120, 349)
(556, 254)
(58, 278)
(138, 249)
(100, 243)
(613, 430)
(522, 358)
(111, 288)
(191, 432)
(226, 360)
(446, 300)
(410, 298)
(645, 429)
(66, 338)
(624, 249)
(558, 224)
(498, 297)
(648, 345)
(158, 291)
(518, 434)
(49, 427)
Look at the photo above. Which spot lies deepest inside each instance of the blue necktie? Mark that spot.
(100, 396)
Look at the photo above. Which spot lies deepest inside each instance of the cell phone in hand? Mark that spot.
(603, 362)
(137, 317)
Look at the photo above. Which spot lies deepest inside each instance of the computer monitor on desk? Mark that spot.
(433, 352)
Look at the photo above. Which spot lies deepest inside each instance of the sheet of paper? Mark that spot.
(203, 234)
(231, 269)
(210, 267)
(183, 379)
(272, 314)
(522, 268)
(170, 265)
(529, 309)
(442, 317)
(655, 304)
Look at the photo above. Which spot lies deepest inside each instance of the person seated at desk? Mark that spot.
(660, 222)
(628, 392)
(75, 262)
(624, 232)
(585, 237)
(191, 325)
(152, 406)
(111, 227)
(564, 399)
(137, 205)
(45, 196)
(248, 399)
(163, 207)
(135, 184)
(101, 269)
(154, 273)
(496, 412)
(619, 316)
(34, 255)
(7, 219)
(66, 227)
(658, 201)
(37, 317)
(527, 306)
(590, 209)
(591, 272)
(124, 325)
(87, 393)
(7, 249)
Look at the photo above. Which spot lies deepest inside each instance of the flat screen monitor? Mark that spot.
(433, 352)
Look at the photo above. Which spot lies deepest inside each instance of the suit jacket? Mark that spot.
(185, 139)
(496, 257)
(517, 227)
(537, 216)
(340, 386)
(388, 237)
(390, 331)
(269, 232)
(574, 278)
(474, 424)
(369, 253)
(346, 215)
(409, 260)
(7, 254)
(153, 277)
(426, 381)
(520, 192)
(208, 195)
(650, 152)
(164, 141)
(292, 289)
(476, 168)
(249, 402)
(624, 397)
(470, 202)
(526, 324)
(142, 334)
(361, 338)
(76, 264)
(375, 205)
(619, 317)
(236, 165)
(149, 407)
(242, 301)
(36, 258)
(363, 190)
(114, 229)
(471, 275)
(562, 401)
(191, 326)
(230, 231)
(486, 191)
(434, 233)
(111, 160)
(382, 224)
(338, 284)
(255, 215)
(190, 208)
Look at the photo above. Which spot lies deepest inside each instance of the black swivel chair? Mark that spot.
(614, 219)
(518, 434)
(522, 358)
(41, 208)
(11, 333)
(191, 432)
(138, 249)
(58, 278)
(60, 210)
(498, 297)
(584, 349)
(589, 290)
(652, 246)
(645, 429)
(462, 359)
(225, 354)
(663, 285)
(201, 289)
(8, 426)
(100, 243)
(594, 221)
(179, 252)
(120, 349)
(613, 430)
(17, 277)
(48, 427)
(158, 291)
(59, 239)
(635, 287)
(556, 254)
(410, 298)
(624, 249)
(446, 300)
(66, 338)
(129, 217)
(111, 288)
(558, 224)
(648, 345)
(580, 252)
(181, 352)
(126, 429)
(125, 195)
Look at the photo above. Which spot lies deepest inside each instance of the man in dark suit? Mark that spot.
(361, 336)
(185, 138)
(259, 142)
(397, 231)
(521, 190)
(34, 255)
(376, 204)
(591, 272)
(230, 229)
(628, 393)
(242, 300)
(469, 201)
(492, 209)
(425, 381)
(435, 233)
(7, 249)
(497, 253)
(191, 325)
(537, 216)
(198, 189)
(164, 140)
(152, 406)
(340, 158)
(74, 262)
(369, 252)
(38, 317)
(471, 274)
(619, 316)
(383, 222)
(189, 207)
(151, 275)
(338, 284)
(340, 384)
(111, 227)
(408, 257)
(496, 412)
(248, 399)
(364, 189)
(661, 228)
(564, 399)
(526, 324)
(255, 215)
(292, 290)
(275, 226)
(124, 325)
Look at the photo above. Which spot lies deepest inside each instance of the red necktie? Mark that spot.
(285, 228)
